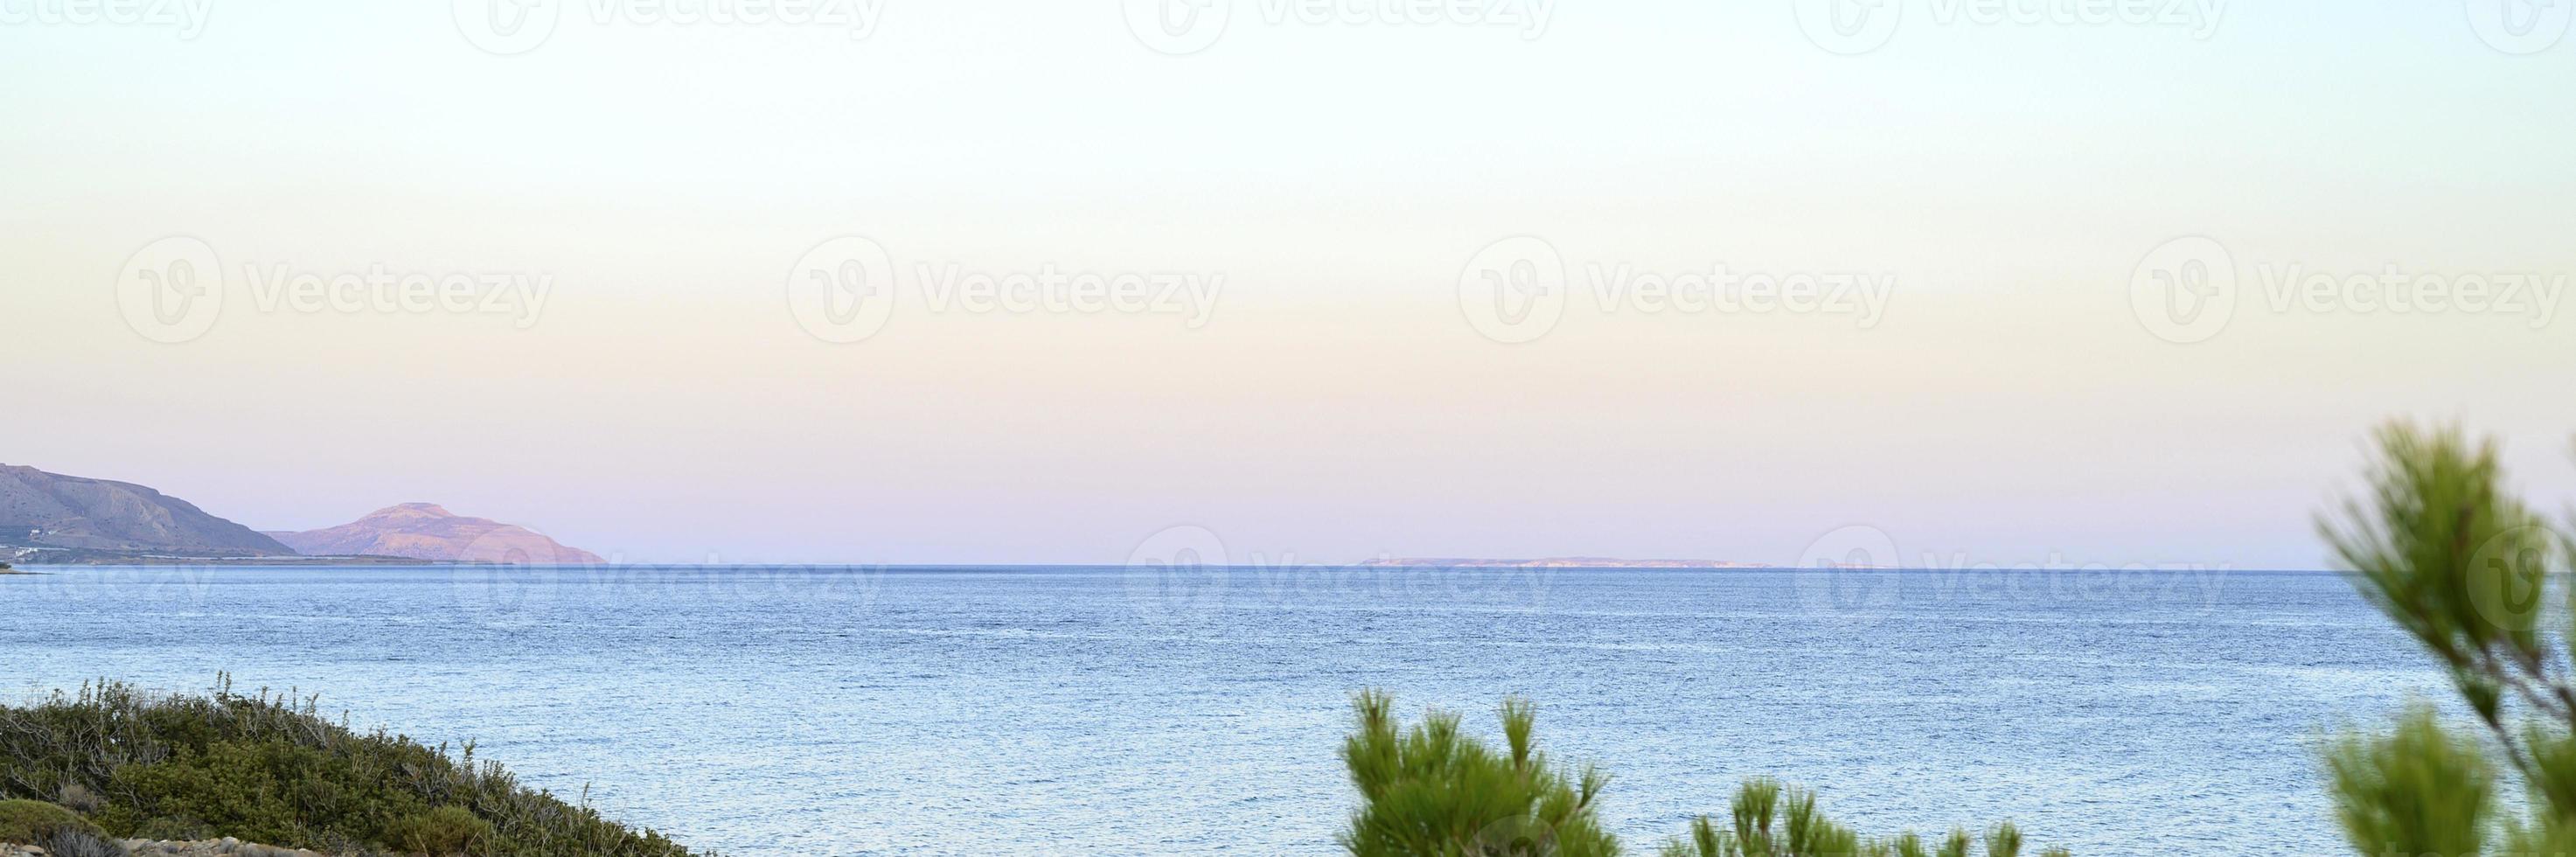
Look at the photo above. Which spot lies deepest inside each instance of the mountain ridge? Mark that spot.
(41, 509)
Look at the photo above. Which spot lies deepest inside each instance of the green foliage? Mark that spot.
(1431, 791)
(2421, 789)
(443, 831)
(269, 769)
(2464, 568)
(1803, 831)
(28, 822)
(2455, 560)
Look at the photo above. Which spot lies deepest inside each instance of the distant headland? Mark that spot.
(53, 519)
(428, 531)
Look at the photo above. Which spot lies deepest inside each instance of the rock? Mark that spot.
(225, 847)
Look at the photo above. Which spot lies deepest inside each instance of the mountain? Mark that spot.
(40, 509)
(427, 531)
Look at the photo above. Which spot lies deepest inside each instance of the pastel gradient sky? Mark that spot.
(665, 403)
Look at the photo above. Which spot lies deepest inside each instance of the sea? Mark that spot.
(1163, 710)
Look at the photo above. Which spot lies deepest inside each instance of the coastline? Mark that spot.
(74, 558)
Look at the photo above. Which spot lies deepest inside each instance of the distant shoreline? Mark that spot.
(68, 558)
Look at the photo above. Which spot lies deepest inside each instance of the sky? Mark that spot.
(1035, 281)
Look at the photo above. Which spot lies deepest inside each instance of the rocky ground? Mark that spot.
(225, 847)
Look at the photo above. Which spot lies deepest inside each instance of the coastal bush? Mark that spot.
(268, 768)
(444, 831)
(80, 799)
(2465, 568)
(68, 842)
(1433, 791)
(31, 822)
(1772, 819)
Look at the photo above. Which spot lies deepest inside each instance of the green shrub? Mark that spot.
(269, 769)
(2420, 789)
(444, 831)
(1770, 819)
(1432, 791)
(2464, 567)
(30, 822)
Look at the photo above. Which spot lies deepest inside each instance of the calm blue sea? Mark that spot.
(1115, 711)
